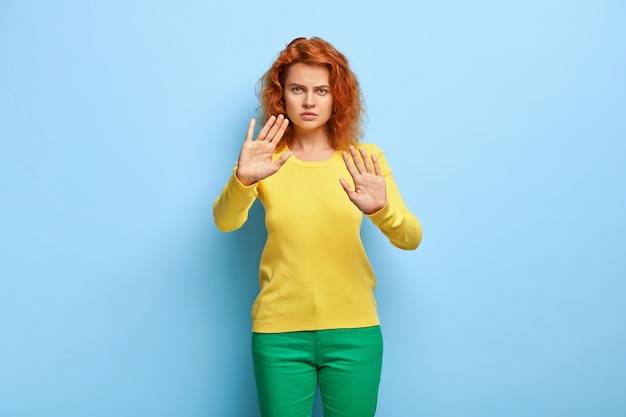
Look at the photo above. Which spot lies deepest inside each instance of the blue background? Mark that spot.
(504, 123)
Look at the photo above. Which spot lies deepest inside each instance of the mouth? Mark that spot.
(308, 115)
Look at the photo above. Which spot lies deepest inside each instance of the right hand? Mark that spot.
(255, 159)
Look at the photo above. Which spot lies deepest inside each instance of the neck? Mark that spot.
(310, 139)
(311, 145)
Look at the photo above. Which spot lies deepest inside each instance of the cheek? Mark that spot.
(289, 106)
(289, 101)
(330, 105)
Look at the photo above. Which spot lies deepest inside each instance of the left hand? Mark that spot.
(370, 191)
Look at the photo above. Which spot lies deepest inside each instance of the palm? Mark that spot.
(255, 159)
(370, 190)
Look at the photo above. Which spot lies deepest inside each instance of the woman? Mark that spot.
(315, 319)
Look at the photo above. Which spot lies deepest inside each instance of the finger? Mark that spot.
(250, 133)
(347, 188)
(263, 133)
(281, 130)
(272, 132)
(357, 161)
(349, 165)
(282, 159)
(377, 169)
(366, 160)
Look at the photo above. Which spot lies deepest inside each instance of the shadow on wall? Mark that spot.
(238, 256)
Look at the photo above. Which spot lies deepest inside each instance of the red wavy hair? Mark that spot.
(345, 124)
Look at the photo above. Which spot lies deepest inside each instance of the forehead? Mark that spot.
(307, 74)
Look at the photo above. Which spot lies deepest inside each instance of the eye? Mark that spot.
(322, 91)
(297, 89)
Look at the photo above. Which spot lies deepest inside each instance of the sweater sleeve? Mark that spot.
(230, 210)
(395, 220)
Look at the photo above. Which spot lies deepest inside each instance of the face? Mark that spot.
(308, 99)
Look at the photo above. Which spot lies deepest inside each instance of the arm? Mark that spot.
(395, 220)
(255, 163)
(230, 210)
(377, 195)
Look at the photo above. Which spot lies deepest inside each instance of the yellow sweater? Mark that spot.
(314, 272)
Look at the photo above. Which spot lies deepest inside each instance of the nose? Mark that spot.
(309, 100)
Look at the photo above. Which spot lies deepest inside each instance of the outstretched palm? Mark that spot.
(255, 159)
(370, 190)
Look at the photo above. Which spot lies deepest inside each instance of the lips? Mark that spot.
(308, 115)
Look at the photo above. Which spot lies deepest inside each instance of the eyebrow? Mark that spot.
(302, 85)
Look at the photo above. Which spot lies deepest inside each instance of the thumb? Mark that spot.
(283, 158)
(346, 187)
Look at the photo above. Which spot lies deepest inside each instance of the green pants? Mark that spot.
(346, 363)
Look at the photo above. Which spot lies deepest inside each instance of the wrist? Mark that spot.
(375, 210)
(244, 181)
